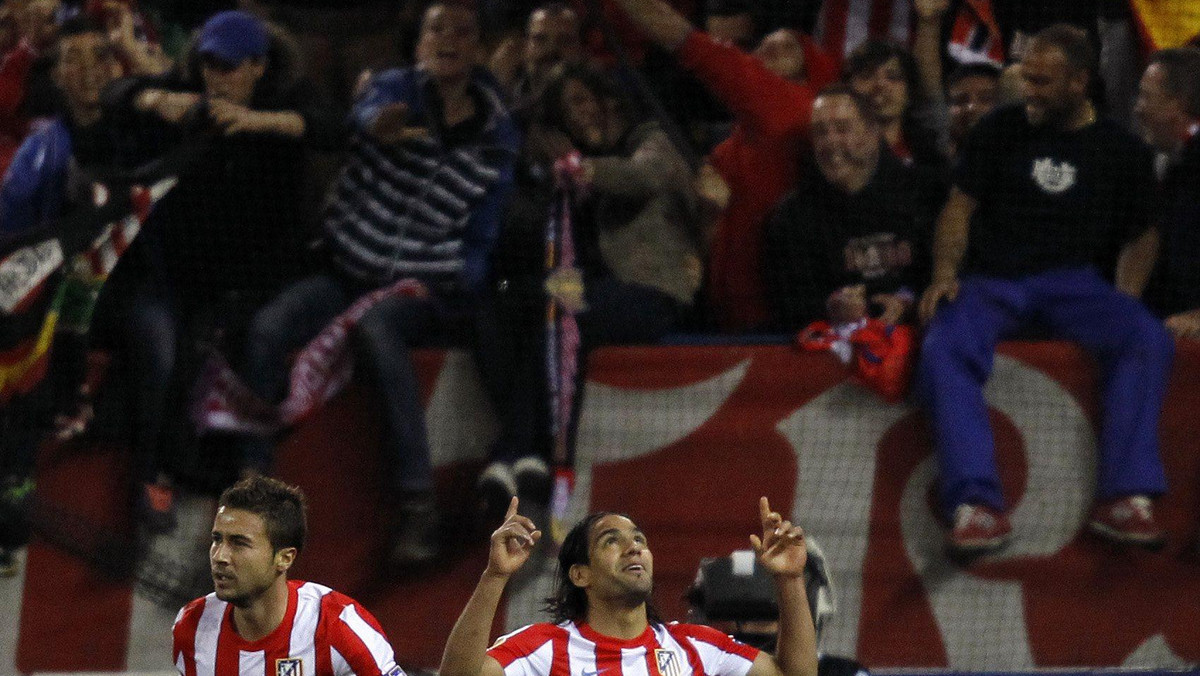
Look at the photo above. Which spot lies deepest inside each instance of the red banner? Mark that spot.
(685, 439)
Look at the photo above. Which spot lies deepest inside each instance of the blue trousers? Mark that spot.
(1131, 348)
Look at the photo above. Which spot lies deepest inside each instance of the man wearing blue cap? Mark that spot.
(231, 233)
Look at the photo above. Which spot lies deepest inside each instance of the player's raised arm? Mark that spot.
(782, 552)
(466, 649)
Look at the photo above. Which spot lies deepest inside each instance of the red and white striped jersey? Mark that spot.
(571, 649)
(323, 633)
(843, 25)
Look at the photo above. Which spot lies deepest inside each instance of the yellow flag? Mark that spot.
(1168, 23)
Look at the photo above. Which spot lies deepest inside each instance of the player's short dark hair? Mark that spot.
(872, 54)
(1181, 66)
(976, 69)
(281, 506)
(570, 602)
(1074, 44)
(865, 110)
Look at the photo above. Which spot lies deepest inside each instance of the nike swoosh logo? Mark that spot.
(594, 673)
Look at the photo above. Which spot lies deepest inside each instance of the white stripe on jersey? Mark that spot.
(304, 626)
(381, 651)
(537, 663)
(252, 662)
(581, 654)
(713, 659)
(338, 663)
(207, 632)
(633, 662)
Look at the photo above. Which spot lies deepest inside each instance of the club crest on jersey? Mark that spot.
(668, 663)
(1053, 177)
(292, 666)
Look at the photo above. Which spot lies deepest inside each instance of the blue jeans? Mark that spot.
(380, 342)
(1131, 348)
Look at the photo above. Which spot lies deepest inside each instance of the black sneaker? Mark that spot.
(8, 562)
(495, 488)
(532, 475)
(414, 535)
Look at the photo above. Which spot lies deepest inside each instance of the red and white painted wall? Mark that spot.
(685, 439)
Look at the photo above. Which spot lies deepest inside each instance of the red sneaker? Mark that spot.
(1127, 521)
(978, 529)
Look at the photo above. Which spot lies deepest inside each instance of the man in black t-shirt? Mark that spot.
(862, 218)
(1048, 193)
(1168, 114)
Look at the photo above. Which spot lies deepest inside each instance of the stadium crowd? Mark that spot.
(737, 168)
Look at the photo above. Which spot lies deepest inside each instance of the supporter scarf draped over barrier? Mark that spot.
(222, 402)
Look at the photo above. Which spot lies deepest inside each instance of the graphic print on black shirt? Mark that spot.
(1050, 198)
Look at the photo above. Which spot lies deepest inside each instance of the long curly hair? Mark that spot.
(570, 602)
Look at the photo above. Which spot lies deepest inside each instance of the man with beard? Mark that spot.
(1048, 192)
(257, 620)
(603, 618)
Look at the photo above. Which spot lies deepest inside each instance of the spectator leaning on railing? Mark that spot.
(418, 201)
(636, 246)
(864, 218)
(1041, 195)
(230, 232)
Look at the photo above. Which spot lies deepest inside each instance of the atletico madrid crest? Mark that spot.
(668, 663)
(292, 666)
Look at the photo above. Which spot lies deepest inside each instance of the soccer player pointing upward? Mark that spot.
(604, 623)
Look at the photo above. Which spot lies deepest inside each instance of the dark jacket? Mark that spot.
(821, 239)
(235, 221)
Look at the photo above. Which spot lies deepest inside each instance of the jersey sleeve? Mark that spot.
(528, 651)
(355, 635)
(720, 654)
(183, 637)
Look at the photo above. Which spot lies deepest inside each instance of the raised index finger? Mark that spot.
(764, 508)
(512, 508)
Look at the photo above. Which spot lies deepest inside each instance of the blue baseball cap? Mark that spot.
(233, 37)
